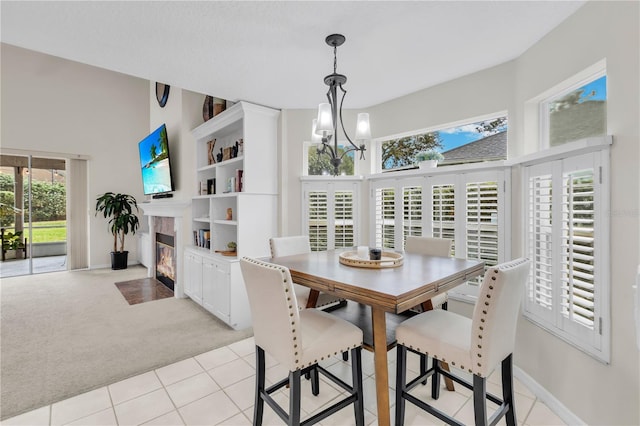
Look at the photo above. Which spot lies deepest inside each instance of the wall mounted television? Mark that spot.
(155, 163)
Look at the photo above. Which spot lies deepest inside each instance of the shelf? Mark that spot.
(225, 222)
(221, 164)
(201, 219)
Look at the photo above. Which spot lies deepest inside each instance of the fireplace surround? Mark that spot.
(165, 218)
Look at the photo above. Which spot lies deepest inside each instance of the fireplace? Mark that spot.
(165, 217)
(165, 260)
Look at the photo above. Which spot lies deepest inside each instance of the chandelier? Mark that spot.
(325, 127)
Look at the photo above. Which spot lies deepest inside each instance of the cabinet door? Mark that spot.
(208, 287)
(193, 277)
(221, 282)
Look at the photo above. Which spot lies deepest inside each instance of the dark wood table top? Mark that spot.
(418, 279)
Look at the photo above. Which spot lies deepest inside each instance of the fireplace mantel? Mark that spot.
(167, 208)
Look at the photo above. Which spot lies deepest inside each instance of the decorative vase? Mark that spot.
(428, 164)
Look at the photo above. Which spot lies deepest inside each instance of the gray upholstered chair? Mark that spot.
(298, 340)
(476, 345)
(299, 244)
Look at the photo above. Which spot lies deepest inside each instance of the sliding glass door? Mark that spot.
(33, 218)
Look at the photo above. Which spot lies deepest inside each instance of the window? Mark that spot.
(469, 209)
(567, 291)
(482, 140)
(319, 165)
(578, 112)
(330, 209)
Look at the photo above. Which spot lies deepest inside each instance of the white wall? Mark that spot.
(57, 106)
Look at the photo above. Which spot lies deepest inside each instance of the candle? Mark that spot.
(363, 252)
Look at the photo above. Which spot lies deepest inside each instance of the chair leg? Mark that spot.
(315, 382)
(356, 375)
(424, 361)
(435, 380)
(480, 400)
(258, 406)
(401, 378)
(294, 398)
(345, 356)
(507, 390)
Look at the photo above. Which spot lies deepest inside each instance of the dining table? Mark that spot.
(387, 290)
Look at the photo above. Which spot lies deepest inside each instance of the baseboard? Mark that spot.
(545, 396)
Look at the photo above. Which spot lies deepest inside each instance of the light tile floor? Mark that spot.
(217, 388)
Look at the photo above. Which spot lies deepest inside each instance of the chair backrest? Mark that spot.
(288, 246)
(274, 310)
(495, 316)
(428, 245)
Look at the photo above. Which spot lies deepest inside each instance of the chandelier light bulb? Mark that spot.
(325, 120)
(363, 130)
(315, 137)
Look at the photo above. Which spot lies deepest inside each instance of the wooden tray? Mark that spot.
(390, 259)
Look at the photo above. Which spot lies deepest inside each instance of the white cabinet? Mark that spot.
(245, 214)
(193, 276)
(217, 285)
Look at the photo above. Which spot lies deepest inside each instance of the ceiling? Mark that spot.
(273, 53)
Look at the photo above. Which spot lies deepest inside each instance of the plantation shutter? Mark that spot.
(412, 211)
(566, 292)
(317, 219)
(443, 213)
(578, 247)
(384, 213)
(540, 240)
(343, 219)
(482, 222)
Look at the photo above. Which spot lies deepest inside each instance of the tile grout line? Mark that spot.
(169, 396)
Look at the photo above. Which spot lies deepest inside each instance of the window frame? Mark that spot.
(587, 76)
(306, 145)
(376, 144)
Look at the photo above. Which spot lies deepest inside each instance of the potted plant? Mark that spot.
(118, 208)
(429, 159)
(232, 246)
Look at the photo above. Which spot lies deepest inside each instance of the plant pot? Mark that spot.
(428, 164)
(119, 259)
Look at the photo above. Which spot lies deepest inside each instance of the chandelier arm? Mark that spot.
(344, 93)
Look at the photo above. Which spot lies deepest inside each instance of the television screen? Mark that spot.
(155, 162)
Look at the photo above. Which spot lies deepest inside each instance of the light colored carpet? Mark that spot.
(66, 333)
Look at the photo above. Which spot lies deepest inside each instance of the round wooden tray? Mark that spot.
(390, 259)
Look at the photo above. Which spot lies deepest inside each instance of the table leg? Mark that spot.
(313, 298)
(380, 359)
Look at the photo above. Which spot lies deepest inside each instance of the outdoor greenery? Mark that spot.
(402, 152)
(44, 232)
(319, 164)
(49, 200)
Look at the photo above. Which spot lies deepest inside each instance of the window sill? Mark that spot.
(581, 146)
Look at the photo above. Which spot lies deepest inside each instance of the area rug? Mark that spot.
(66, 333)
